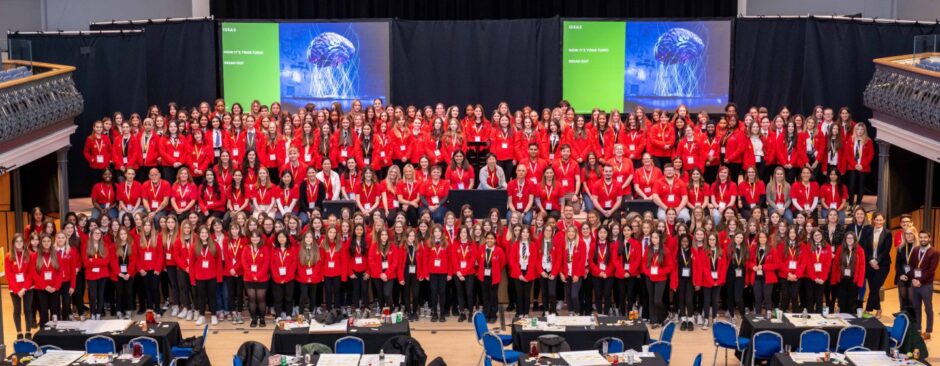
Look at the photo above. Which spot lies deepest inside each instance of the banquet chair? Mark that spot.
(898, 330)
(236, 361)
(100, 344)
(850, 336)
(765, 345)
(49, 347)
(614, 344)
(663, 348)
(349, 345)
(25, 346)
(668, 330)
(481, 328)
(814, 340)
(858, 349)
(725, 335)
(494, 350)
(698, 360)
(150, 347)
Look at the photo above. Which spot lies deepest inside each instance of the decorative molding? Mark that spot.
(37, 104)
(45, 145)
(906, 139)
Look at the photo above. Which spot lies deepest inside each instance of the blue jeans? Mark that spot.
(222, 298)
(825, 214)
(111, 212)
(438, 214)
(526, 216)
(588, 204)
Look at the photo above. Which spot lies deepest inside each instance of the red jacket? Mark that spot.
(384, 264)
(97, 151)
(126, 156)
(735, 146)
(437, 260)
(283, 264)
(710, 270)
(630, 258)
(501, 144)
(183, 252)
(46, 275)
(400, 145)
(205, 266)
(150, 258)
(532, 259)
(570, 263)
(255, 263)
(497, 260)
(861, 156)
(17, 270)
(127, 264)
(693, 154)
(406, 259)
(791, 261)
(768, 262)
(463, 258)
(662, 268)
(335, 261)
(634, 144)
(358, 257)
(171, 153)
(857, 270)
(153, 150)
(603, 259)
(96, 266)
(817, 265)
(661, 139)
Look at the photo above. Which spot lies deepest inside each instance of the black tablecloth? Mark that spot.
(876, 337)
(582, 338)
(548, 361)
(283, 341)
(143, 361)
(167, 335)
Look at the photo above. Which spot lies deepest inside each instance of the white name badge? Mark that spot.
(548, 206)
(148, 256)
(435, 200)
(235, 152)
(608, 204)
(205, 264)
(779, 206)
(686, 272)
(272, 157)
(917, 273)
(847, 272)
(518, 206)
(437, 262)
(460, 186)
(367, 161)
(648, 190)
(176, 154)
(402, 147)
(654, 270)
(505, 145)
(760, 272)
(832, 206)
(381, 154)
(95, 270)
(463, 264)
(99, 158)
(737, 272)
(551, 156)
(20, 277)
(123, 268)
(792, 265)
(817, 267)
(309, 271)
(384, 265)
(632, 147)
(619, 179)
(154, 205)
(689, 160)
(282, 271)
(564, 182)
(308, 157)
(358, 260)
(311, 205)
(330, 264)
(487, 272)
(125, 160)
(437, 153)
(715, 274)
(343, 153)
(671, 197)
(254, 268)
(209, 203)
(603, 267)
(412, 269)
(476, 138)
(47, 276)
(722, 149)
(169, 256)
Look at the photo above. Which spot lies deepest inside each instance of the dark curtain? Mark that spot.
(111, 75)
(486, 62)
(469, 9)
(181, 60)
(768, 63)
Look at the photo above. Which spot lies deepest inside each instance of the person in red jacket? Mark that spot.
(96, 259)
(463, 257)
(848, 272)
(523, 259)
(205, 274)
(309, 272)
(104, 197)
(692, 152)
(570, 248)
(607, 195)
(97, 150)
(283, 271)
(47, 276)
(125, 151)
(255, 264)
(712, 270)
(437, 264)
(491, 261)
(124, 267)
(17, 269)
(657, 266)
(200, 156)
(661, 140)
(684, 283)
(602, 261)
(183, 257)
(335, 268)
(817, 259)
(762, 272)
(69, 262)
(149, 255)
(383, 266)
(174, 151)
(410, 271)
(129, 200)
(434, 195)
(212, 197)
(791, 269)
(358, 275)
(858, 154)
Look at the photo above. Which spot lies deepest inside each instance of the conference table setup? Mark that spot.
(791, 326)
(71, 335)
(77, 358)
(367, 359)
(873, 358)
(594, 358)
(580, 332)
(373, 332)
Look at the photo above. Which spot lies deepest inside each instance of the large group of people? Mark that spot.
(210, 212)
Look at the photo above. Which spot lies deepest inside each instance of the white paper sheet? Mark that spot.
(338, 360)
(373, 360)
(584, 358)
(57, 358)
(339, 327)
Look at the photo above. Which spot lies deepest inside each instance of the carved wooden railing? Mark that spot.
(901, 91)
(32, 103)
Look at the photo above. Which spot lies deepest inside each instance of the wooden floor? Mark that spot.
(452, 340)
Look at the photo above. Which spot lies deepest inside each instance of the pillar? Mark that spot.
(928, 198)
(883, 177)
(16, 193)
(63, 177)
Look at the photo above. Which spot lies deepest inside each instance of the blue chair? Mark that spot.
(236, 361)
(858, 349)
(25, 346)
(614, 344)
(479, 325)
(494, 350)
(150, 347)
(814, 340)
(349, 345)
(668, 330)
(850, 336)
(898, 330)
(100, 344)
(663, 348)
(765, 344)
(187, 352)
(698, 360)
(725, 335)
(49, 347)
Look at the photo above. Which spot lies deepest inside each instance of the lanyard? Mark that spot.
(254, 253)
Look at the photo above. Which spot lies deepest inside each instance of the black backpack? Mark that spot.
(410, 347)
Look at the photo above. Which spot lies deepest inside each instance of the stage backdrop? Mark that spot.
(110, 74)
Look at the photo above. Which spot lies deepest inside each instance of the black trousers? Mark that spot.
(383, 292)
(184, 289)
(657, 307)
(737, 292)
(490, 297)
(236, 292)
(572, 295)
(65, 301)
(96, 289)
(856, 186)
(549, 294)
(26, 302)
(48, 302)
(847, 293)
(626, 294)
(814, 296)
(789, 295)
(151, 288)
(358, 295)
(205, 292)
(685, 297)
(283, 294)
(438, 293)
(763, 292)
(712, 294)
(523, 297)
(78, 297)
(876, 279)
(124, 295)
(464, 290)
(308, 296)
(603, 293)
(332, 292)
(410, 293)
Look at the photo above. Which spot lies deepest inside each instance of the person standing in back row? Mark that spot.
(923, 264)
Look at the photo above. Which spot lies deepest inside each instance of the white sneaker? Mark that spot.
(215, 320)
(705, 325)
(175, 311)
(190, 315)
(181, 313)
(120, 314)
(201, 320)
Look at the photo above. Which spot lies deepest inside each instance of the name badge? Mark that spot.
(817, 267)
(402, 147)
(460, 186)
(570, 267)
(632, 147)
(907, 269)
(235, 152)
(343, 153)
(148, 256)
(205, 264)
(792, 266)
(619, 179)
(779, 206)
(608, 204)
(47, 276)
(671, 197)
(169, 256)
(603, 267)
(690, 160)
(518, 206)
(760, 272)
(847, 272)
(722, 149)
(564, 182)
(412, 269)
(282, 271)
(648, 190)
(715, 274)
(254, 268)
(309, 271)
(95, 270)
(437, 153)
(123, 268)
(384, 265)
(330, 264)
(686, 272)
(209, 203)
(308, 157)
(505, 145)
(367, 161)
(832, 206)
(272, 157)
(20, 277)
(154, 205)
(463, 264)
(125, 160)
(917, 273)
(311, 205)
(737, 272)
(548, 206)
(176, 154)
(99, 158)
(654, 270)
(487, 272)
(435, 200)
(358, 260)
(381, 154)
(437, 262)
(476, 138)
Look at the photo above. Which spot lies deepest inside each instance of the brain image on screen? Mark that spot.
(680, 54)
(332, 66)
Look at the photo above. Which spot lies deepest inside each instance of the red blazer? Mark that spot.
(96, 267)
(129, 267)
(463, 258)
(829, 195)
(634, 144)
(795, 157)
(255, 263)
(335, 261)
(233, 252)
(437, 260)
(735, 147)
(768, 262)
(823, 263)
(629, 257)
(153, 150)
(150, 258)
(858, 268)
(501, 145)
(497, 262)
(533, 261)
(576, 259)
(201, 158)
(661, 135)
(400, 146)
(283, 264)
(376, 260)
(205, 266)
(183, 254)
(863, 157)
(703, 267)
(664, 268)
(603, 260)
(171, 154)
(693, 154)
(17, 270)
(308, 273)
(97, 151)
(790, 261)
(46, 276)
(133, 157)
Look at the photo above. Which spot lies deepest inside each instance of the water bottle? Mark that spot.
(297, 351)
(381, 355)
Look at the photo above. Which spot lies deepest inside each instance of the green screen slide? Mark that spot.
(593, 64)
(250, 63)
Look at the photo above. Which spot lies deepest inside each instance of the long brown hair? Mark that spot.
(53, 255)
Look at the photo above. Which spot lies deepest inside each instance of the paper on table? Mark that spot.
(339, 327)
(805, 356)
(373, 360)
(584, 358)
(873, 358)
(572, 321)
(68, 325)
(57, 358)
(815, 320)
(338, 360)
(105, 326)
